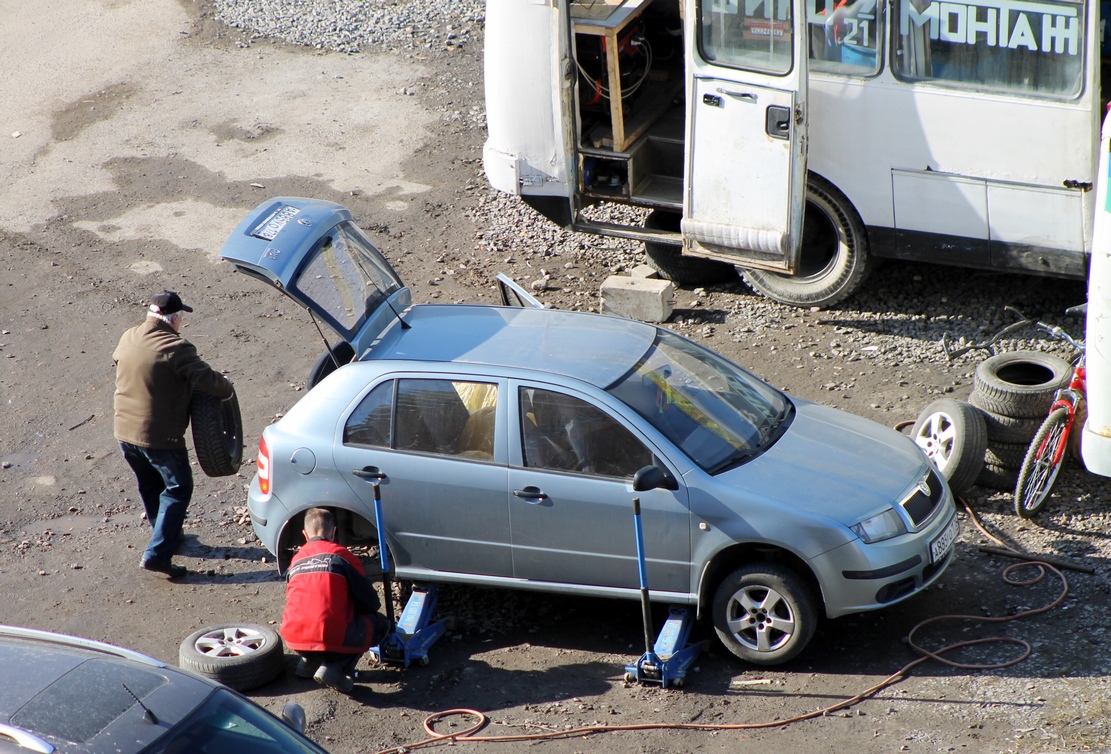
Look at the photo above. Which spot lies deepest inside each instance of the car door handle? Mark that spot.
(745, 96)
(533, 495)
(369, 473)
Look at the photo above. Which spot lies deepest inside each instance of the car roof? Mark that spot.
(595, 348)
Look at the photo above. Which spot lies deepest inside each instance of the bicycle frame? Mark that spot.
(1068, 398)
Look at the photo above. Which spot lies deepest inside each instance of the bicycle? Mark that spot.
(1046, 454)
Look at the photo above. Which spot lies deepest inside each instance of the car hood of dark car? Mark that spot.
(833, 464)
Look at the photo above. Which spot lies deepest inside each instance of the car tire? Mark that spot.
(1006, 455)
(1020, 383)
(835, 257)
(669, 260)
(217, 433)
(1008, 429)
(997, 478)
(241, 657)
(331, 360)
(953, 435)
(780, 621)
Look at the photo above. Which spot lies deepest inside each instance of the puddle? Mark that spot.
(63, 524)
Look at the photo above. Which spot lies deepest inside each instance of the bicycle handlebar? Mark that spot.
(987, 345)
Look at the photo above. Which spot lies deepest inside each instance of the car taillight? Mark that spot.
(263, 466)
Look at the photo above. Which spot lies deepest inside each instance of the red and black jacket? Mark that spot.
(328, 601)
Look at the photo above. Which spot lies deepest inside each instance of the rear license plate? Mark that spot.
(941, 545)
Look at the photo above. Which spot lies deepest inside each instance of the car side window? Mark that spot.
(369, 424)
(564, 433)
(446, 417)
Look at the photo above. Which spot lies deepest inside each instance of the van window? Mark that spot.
(1002, 45)
(751, 34)
(845, 36)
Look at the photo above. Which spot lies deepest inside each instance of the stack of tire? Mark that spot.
(1014, 391)
(983, 441)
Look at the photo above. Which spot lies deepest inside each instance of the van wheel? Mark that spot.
(669, 260)
(834, 260)
(335, 357)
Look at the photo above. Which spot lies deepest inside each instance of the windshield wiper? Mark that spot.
(736, 458)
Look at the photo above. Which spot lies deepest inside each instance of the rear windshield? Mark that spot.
(716, 412)
(347, 277)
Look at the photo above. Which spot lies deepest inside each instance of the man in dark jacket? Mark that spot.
(331, 612)
(156, 373)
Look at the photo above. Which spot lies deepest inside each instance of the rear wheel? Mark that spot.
(1042, 464)
(764, 613)
(835, 258)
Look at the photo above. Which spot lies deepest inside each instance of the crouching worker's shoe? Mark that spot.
(331, 674)
(306, 668)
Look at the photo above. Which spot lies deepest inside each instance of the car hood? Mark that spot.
(833, 464)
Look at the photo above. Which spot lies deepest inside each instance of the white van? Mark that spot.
(800, 140)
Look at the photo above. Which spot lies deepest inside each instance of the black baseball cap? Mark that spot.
(169, 302)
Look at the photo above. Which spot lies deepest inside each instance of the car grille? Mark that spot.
(920, 505)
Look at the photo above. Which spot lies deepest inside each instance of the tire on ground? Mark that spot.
(331, 360)
(217, 433)
(669, 260)
(953, 435)
(835, 253)
(1020, 384)
(1009, 429)
(769, 587)
(997, 478)
(241, 657)
(1005, 455)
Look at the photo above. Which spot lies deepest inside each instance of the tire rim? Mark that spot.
(233, 641)
(760, 618)
(936, 438)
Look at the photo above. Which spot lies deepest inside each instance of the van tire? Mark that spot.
(669, 260)
(835, 253)
(217, 433)
(341, 353)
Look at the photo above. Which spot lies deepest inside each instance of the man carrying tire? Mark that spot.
(157, 371)
(331, 613)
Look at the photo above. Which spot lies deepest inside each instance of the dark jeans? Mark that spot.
(165, 485)
(379, 626)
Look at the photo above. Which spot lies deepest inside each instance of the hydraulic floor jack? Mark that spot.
(411, 636)
(666, 660)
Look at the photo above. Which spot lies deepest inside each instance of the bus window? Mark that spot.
(845, 36)
(750, 34)
(1022, 46)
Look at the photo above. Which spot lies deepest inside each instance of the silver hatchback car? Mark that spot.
(510, 441)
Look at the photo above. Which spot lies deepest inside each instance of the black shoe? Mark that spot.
(173, 570)
(331, 674)
(306, 668)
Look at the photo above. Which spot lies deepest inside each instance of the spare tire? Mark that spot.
(1010, 429)
(1020, 383)
(217, 433)
(668, 259)
(952, 434)
(242, 657)
(997, 478)
(331, 360)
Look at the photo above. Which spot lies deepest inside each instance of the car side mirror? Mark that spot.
(653, 478)
(293, 715)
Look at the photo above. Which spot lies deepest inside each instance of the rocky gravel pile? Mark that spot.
(357, 25)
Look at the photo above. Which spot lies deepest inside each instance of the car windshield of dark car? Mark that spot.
(716, 412)
(346, 276)
(227, 724)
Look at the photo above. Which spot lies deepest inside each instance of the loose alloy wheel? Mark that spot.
(953, 435)
(242, 656)
(764, 613)
(1042, 464)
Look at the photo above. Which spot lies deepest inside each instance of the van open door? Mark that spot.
(745, 172)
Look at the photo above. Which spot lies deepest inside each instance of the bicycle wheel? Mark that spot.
(1043, 460)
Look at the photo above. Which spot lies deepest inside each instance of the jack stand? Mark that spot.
(409, 638)
(666, 661)
(671, 656)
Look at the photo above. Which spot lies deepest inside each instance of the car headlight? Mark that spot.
(880, 527)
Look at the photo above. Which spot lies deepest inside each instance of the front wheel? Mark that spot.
(764, 613)
(1042, 463)
(834, 259)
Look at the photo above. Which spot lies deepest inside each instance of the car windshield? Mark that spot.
(228, 724)
(716, 412)
(346, 276)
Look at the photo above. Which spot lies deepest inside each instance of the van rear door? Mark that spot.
(745, 172)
